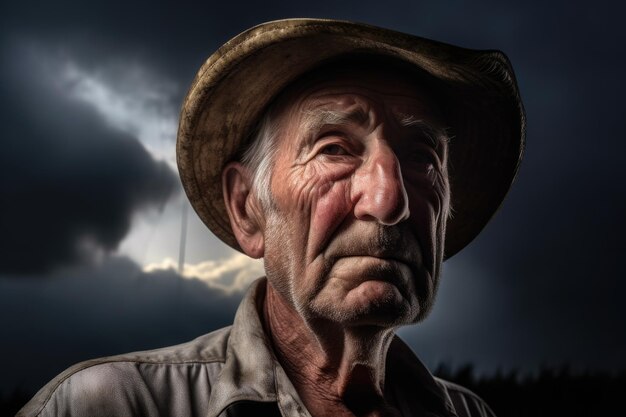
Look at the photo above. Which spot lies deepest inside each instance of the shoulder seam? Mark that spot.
(132, 358)
(102, 361)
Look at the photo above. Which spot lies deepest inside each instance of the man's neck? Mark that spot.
(336, 370)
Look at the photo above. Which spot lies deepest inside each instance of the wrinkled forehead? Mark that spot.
(358, 84)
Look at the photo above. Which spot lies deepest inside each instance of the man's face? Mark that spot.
(355, 231)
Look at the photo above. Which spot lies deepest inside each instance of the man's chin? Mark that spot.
(375, 303)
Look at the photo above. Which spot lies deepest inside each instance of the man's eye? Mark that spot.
(333, 149)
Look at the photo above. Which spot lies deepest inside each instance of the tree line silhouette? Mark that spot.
(549, 392)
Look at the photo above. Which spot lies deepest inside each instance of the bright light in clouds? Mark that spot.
(230, 275)
(132, 99)
(129, 95)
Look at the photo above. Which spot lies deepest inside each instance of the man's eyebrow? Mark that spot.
(435, 134)
(316, 119)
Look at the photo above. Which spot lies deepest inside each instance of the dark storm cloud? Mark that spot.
(69, 183)
(91, 311)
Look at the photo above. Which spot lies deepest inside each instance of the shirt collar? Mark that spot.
(248, 372)
(251, 372)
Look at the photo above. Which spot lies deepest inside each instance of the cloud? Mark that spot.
(70, 181)
(229, 275)
(130, 98)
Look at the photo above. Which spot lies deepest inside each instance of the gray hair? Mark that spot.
(259, 157)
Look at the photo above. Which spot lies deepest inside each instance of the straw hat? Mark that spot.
(231, 90)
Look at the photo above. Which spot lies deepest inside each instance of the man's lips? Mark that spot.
(387, 258)
(382, 254)
(355, 270)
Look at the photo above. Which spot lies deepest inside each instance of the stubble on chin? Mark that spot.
(311, 290)
(380, 257)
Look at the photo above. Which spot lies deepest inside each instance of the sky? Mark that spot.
(91, 204)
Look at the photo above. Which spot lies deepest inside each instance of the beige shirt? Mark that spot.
(230, 372)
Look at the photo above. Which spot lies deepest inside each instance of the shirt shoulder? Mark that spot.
(136, 383)
(466, 403)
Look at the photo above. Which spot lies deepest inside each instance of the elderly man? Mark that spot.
(353, 160)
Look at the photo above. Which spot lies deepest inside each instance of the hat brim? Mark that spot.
(236, 84)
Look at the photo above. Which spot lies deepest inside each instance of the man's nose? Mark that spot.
(378, 188)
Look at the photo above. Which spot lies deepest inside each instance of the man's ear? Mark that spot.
(244, 209)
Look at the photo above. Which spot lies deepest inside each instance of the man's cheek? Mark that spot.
(330, 208)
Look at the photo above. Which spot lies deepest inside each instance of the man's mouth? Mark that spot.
(356, 270)
(386, 253)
